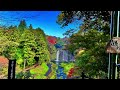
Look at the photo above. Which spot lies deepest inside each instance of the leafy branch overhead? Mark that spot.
(91, 19)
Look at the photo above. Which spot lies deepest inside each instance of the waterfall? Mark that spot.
(63, 55)
(57, 56)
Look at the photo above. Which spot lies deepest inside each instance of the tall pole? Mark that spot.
(117, 36)
(111, 34)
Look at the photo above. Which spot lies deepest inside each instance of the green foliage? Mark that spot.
(42, 50)
(24, 75)
(12, 27)
(11, 55)
(9, 43)
(40, 71)
(67, 67)
(94, 58)
(19, 57)
(24, 52)
(3, 70)
(52, 51)
(45, 68)
(53, 73)
(86, 62)
(40, 77)
(53, 77)
(24, 45)
(22, 25)
(59, 41)
(19, 75)
(90, 18)
(35, 73)
(69, 32)
(30, 27)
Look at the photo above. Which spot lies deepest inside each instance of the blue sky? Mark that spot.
(46, 20)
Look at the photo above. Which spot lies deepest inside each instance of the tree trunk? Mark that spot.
(24, 64)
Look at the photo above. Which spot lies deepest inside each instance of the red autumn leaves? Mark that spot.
(51, 40)
(70, 72)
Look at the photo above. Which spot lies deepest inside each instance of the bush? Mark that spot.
(67, 67)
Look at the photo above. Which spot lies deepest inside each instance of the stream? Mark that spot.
(62, 56)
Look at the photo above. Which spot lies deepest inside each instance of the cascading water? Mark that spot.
(61, 56)
(57, 57)
(60, 70)
(67, 56)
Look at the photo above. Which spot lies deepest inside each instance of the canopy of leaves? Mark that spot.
(94, 58)
(24, 46)
(67, 17)
(22, 25)
(91, 19)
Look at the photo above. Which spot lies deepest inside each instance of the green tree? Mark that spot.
(27, 42)
(8, 45)
(94, 59)
(22, 25)
(42, 50)
(30, 27)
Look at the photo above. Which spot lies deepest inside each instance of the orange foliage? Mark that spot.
(3, 61)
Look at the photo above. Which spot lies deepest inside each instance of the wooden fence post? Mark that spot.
(11, 69)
